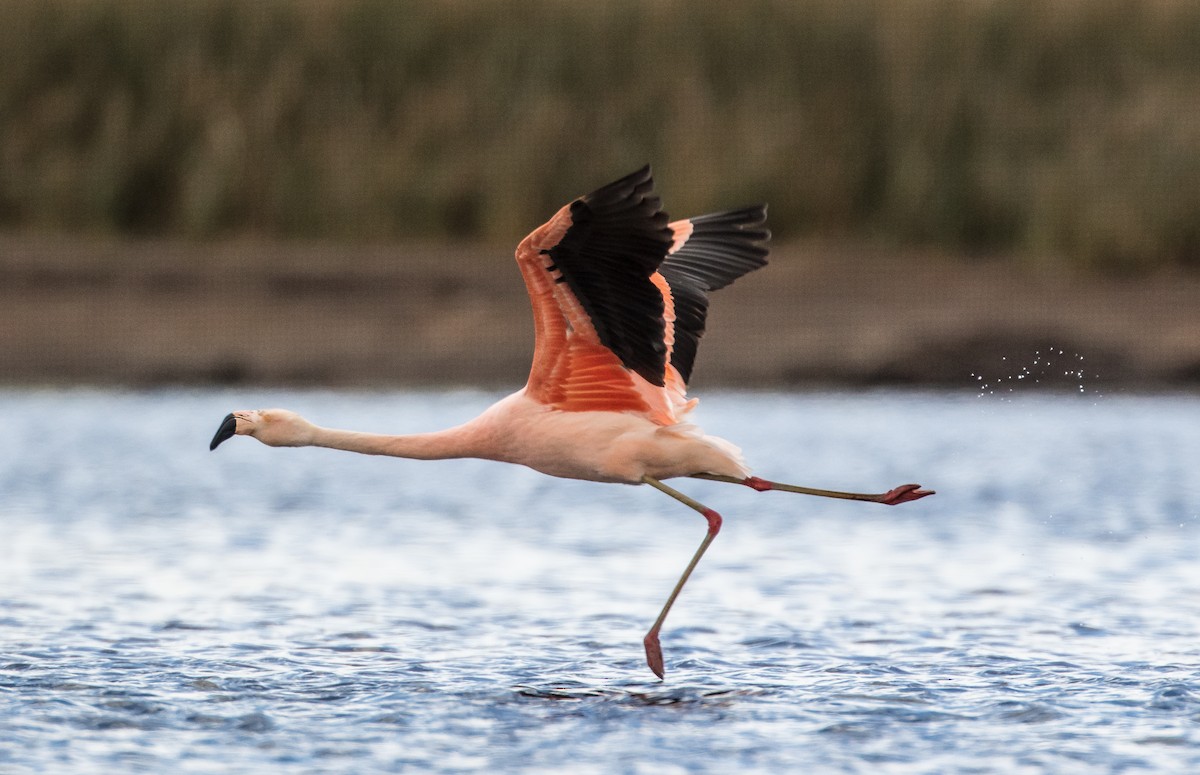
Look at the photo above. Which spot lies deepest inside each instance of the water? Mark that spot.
(167, 609)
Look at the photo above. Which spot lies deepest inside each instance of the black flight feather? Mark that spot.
(617, 239)
(722, 247)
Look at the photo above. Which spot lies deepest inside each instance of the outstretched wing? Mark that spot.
(617, 321)
(598, 315)
(708, 253)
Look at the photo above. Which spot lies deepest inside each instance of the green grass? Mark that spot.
(1059, 130)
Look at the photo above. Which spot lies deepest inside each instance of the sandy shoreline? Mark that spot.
(174, 313)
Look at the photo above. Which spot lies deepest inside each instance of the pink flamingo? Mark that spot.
(619, 303)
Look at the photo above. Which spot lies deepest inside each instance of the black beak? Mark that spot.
(226, 431)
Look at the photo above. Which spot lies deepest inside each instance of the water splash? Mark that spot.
(1048, 369)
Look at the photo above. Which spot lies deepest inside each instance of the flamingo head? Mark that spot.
(273, 427)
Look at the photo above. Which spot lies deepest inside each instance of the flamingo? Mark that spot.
(619, 298)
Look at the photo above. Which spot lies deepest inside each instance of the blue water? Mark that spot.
(168, 609)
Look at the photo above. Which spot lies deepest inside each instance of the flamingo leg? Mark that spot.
(654, 657)
(901, 494)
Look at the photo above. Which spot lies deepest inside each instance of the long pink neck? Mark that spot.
(440, 445)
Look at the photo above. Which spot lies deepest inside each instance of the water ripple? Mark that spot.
(164, 609)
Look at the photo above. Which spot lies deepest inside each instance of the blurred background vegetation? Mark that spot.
(1059, 131)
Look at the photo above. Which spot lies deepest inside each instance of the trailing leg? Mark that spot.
(897, 495)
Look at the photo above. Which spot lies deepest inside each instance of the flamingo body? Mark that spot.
(620, 297)
(598, 445)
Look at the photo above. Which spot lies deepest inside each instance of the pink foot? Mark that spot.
(654, 657)
(903, 494)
